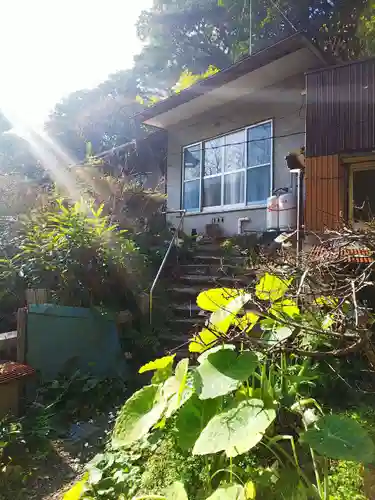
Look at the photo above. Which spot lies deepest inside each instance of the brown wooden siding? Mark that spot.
(325, 182)
(340, 115)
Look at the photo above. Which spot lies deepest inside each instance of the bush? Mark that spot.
(74, 251)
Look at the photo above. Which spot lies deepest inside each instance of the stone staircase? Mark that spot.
(209, 266)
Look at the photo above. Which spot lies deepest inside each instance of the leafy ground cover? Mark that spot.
(243, 421)
(64, 427)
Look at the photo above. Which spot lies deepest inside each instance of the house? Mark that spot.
(228, 137)
(340, 146)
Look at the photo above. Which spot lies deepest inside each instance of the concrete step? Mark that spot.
(188, 310)
(208, 259)
(189, 321)
(181, 290)
(211, 269)
(217, 280)
(174, 338)
(215, 249)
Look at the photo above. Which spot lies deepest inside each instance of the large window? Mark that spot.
(232, 170)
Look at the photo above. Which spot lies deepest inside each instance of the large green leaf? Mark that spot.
(157, 364)
(216, 298)
(247, 322)
(192, 418)
(223, 318)
(277, 335)
(230, 492)
(175, 390)
(217, 348)
(235, 431)
(285, 308)
(330, 302)
(222, 372)
(77, 490)
(138, 415)
(203, 341)
(341, 438)
(271, 287)
(238, 367)
(176, 492)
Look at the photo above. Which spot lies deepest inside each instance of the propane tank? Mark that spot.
(272, 213)
(287, 211)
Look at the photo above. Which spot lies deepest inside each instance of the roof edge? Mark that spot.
(246, 65)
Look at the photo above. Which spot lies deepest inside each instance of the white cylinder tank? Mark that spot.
(272, 213)
(287, 211)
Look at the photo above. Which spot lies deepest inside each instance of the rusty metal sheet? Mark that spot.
(325, 181)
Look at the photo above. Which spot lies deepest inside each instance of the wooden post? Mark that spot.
(21, 335)
(37, 296)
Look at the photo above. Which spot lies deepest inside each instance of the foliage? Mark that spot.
(101, 116)
(367, 28)
(346, 481)
(95, 396)
(150, 466)
(342, 437)
(76, 252)
(184, 38)
(29, 441)
(16, 158)
(238, 403)
(186, 80)
(76, 492)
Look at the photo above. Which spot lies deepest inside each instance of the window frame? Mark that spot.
(199, 209)
(223, 173)
(369, 165)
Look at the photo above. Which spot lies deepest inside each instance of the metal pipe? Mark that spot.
(175, 235)
(298, 238)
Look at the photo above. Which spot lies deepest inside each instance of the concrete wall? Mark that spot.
(282, 103)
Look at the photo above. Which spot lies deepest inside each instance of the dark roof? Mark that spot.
(246, 65)
(341, 65)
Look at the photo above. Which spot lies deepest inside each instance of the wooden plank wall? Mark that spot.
(325, 198)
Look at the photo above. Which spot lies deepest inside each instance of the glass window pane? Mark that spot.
(212, 191)
(213, 156)
(259, 145)
(192, 162)
(234, 188)
(258, 184)
(191, 195)
(235, 151)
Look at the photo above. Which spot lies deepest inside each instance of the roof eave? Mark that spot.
(247, 65)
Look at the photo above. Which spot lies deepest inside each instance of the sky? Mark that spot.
(49, 48)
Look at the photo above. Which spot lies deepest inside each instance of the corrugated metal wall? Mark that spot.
(340, 115)
(325, 182)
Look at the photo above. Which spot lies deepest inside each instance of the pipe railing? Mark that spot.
(173, 239)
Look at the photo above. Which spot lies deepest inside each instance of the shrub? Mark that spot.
(74, 251)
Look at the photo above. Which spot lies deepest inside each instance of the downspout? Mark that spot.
(239, 224)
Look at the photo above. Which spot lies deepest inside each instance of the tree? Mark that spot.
(194, 34)
(5, 124)
(366, 29)
(185, 37)
(102, 116)
(16, 157)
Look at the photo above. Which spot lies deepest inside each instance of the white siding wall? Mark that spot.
(282, 103)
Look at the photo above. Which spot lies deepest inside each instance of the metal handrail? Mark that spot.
(175, 235)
